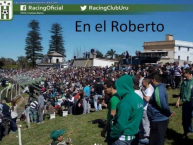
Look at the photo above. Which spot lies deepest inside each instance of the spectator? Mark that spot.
(58, 139)
(141, 77)
(25, 90)
(14, 115)
(70, 103)
(1, 117)
(186, 65)
(6, 116)
(147, 93)
(40, 108)
(99, 91)
(31, 93)
(158, 112)
(6, 109)
(86, 99)
(136, 88)
(110, 89)
(33, 110)
(79, 105)
(187, 107)
(177, 75)
(125, 124)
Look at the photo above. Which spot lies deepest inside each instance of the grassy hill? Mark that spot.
(83, 132)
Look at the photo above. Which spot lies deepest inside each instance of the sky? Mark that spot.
(13, 33)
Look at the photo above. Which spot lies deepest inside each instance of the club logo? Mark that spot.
(6, 10)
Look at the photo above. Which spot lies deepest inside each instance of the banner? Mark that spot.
(58, 9)
(8, 9)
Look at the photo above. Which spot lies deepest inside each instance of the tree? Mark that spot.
(110, 53)
(22, 61)
(99, 54)
(1, 64)
(7, 61)
(57, 42)
(33, 43)
(10, 61)
(3, 60)
(117, 56)
(44, 59)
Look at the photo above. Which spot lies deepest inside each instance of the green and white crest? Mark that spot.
(6, 10)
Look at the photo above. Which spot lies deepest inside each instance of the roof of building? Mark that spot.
(55, 54)
(97, 59)
(106, 59)
(153, 51)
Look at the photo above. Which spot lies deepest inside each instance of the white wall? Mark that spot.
(102, 63)
(53, 60)
(183, 52)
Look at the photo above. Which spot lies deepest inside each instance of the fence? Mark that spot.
(11, 92)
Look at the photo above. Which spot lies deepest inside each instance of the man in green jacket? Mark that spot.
(187, 106)
(125, 124)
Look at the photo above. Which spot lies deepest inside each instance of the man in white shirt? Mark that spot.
(136, 88)
(70, 103)
(147, 93)
(26, 89)
(141, 77)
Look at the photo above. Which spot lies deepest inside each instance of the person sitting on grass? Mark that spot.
(58, 139)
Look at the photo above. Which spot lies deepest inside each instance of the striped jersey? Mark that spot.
(34, 105)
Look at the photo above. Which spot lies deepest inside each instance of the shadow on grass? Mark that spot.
(172, 104)
(101, 122)
(177, 138)
(175, 96)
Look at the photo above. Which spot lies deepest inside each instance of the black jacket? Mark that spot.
(6, 110)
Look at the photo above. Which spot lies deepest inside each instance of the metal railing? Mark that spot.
(11, 92)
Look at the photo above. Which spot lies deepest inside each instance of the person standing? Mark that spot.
(31, 94)
(86, 99)
(1, 117)
(6, 114)
(125, 124)
(40, 108)
(33, 110)
(177, 75)
(141, 77)
(14, 115)
(147, 93)
(110, 89)
(99, 91)
(186, 65)
(158, 112)
(136, 88)
(186, 93)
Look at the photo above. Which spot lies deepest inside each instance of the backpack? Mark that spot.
(116, 95)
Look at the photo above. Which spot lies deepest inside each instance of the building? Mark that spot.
(141, 59)
(170, 50)
(85, 62)
(55, 58)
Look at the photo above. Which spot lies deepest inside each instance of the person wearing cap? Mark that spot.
(58, 139)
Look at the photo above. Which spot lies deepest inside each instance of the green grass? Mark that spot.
(81, 130)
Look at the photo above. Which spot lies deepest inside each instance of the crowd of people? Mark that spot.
(136, 98)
